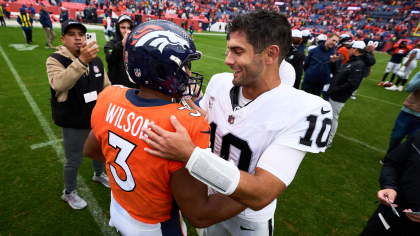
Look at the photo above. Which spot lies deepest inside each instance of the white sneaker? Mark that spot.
(74, 200)
(392, 88)
(400, 88)
(353, 97)
(103, 179)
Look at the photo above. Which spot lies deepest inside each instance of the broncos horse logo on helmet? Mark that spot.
(156, 55)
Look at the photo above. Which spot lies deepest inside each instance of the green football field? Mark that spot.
(333, 193)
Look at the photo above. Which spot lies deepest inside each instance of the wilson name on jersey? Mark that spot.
(283, 115)
(140, 181)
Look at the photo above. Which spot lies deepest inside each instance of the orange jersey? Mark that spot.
(140, 181)
(345, 52)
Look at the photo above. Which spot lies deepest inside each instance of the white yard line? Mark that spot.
(214, 58)
(362, 143)
(95, 210)
(395, 104)
(52, 143)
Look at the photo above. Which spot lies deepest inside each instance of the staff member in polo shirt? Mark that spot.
(76, 77)
(25, 20)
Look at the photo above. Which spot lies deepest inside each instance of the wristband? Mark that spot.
(221, 175)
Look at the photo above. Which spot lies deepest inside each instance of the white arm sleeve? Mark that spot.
(281, 161)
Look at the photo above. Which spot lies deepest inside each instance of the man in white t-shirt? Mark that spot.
(260, 128)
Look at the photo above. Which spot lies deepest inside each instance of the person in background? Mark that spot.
(369, 53)
(397, 52)
(76, 76)
(25, 20)
(306, 35)
(296, 57)
(399, 181)
(408, 121)
(3, 23)
(192, 30)
(114, 51)
(409, 63)
(78, 15)
(64, 15)
(227, 48)
(45, 20)
(345, 81)
(319, 65)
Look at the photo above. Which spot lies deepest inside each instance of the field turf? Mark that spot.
(333, 193)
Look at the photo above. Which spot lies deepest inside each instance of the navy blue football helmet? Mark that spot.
(157, 54)
(344, 39)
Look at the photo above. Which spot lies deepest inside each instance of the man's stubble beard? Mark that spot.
(253, 76)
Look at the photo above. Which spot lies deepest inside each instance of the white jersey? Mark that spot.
(311, 47)
(416, 58)
(287, 73)
(282, 116)
(108, 23)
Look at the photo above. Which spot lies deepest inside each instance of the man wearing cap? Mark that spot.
(114, 50)
(305, 37)
(76, 76)
(296, 57)
(346, 80)
(64, 15)
(45, 20)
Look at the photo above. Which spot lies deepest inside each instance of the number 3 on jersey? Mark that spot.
(306, 140)
(126, 148)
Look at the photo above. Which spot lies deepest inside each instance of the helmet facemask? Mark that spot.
(191, 84)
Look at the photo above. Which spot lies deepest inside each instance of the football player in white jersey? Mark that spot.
(260, 128)
(409, 63)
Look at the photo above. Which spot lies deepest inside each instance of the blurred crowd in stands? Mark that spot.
(375, 19)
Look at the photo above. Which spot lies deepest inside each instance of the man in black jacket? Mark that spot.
(114, 53)
(296, 57)
(346, 80)
(400, 181)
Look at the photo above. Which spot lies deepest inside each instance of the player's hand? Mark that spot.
(88, 53)
(412, 217)
(174, 146)
(125, 38)
(334, 58)
(390, 193)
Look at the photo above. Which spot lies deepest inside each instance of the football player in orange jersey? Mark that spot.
(146, 190)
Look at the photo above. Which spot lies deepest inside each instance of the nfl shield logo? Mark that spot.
(231, 119)
(96, 69)
(137, 72)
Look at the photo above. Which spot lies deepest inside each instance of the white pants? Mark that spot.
(409, 69)
(237, 226)
(127, 225)
(391, 66)
(336, 107)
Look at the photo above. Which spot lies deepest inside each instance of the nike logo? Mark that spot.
(324, 112)
(205, 132)
(242, 228)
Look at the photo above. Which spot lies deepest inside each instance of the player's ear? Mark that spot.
(271, 54)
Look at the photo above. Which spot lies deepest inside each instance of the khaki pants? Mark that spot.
(50, 35)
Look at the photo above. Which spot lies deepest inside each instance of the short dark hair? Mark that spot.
(264, 28)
